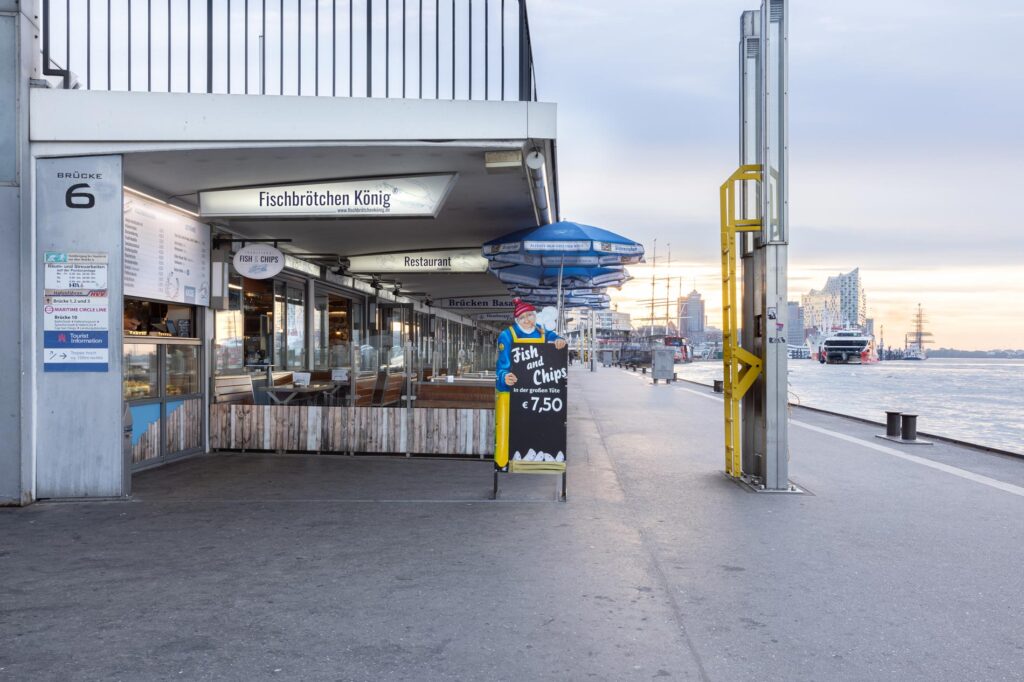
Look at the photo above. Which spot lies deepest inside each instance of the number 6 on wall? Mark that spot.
(75, 199)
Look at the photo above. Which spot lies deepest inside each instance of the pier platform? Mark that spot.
(900, 563)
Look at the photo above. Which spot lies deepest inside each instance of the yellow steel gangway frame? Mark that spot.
(741, 366)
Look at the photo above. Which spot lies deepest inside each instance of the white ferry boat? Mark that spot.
(846, 346)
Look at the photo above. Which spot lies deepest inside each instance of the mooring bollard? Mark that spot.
(719, 386)
(892, 424)
(644, 370)
(910, 427)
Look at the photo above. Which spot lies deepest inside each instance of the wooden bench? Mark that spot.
(389, 389)
(364, 388)
(235, 388)
(457, 396)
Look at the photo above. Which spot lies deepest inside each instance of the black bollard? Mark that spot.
(644, 370)
(719, 386)
(910, 427)
(892, 424)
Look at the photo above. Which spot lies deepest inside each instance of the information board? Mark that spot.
(76, 312)
(537, 407)
(166, 253)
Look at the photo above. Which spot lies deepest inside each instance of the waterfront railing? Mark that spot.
(422, 49)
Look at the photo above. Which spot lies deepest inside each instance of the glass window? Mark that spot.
(279, 317)
(141, 378)
(258, 321)
(149, 318)
(296, 328)
(228, 342)
(182, 370)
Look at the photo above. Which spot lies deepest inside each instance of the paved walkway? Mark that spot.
(244, 567)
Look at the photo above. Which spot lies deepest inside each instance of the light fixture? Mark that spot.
(539, 182)
(503, 161)
(136, 192)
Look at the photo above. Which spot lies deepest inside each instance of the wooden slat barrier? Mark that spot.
(308, 428)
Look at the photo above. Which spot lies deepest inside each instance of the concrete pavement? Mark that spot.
(237, 567)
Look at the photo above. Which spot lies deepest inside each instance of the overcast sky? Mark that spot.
(905, 136)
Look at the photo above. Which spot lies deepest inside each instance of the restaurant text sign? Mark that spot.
(441, 260)
(415, 196)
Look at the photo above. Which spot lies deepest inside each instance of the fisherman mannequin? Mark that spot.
(524, 327)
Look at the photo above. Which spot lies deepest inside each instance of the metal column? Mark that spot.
(763, 63)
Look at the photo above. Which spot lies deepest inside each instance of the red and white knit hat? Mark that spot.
(521, 307)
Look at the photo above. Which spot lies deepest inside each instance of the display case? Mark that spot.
(162, 384)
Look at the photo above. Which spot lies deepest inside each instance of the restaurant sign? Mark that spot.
(442, 260)
(258, 261)
(414, 196)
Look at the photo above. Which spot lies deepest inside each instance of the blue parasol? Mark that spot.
(563, 243)
(563, 278)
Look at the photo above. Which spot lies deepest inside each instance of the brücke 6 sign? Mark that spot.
(258, 261)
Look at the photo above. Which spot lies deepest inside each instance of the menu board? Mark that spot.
(166, 253)
(537, 407)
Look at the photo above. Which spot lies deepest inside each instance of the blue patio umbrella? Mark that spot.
(563, 243)
(563, 278)
(524, 291)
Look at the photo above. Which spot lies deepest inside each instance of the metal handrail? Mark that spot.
(291, 47)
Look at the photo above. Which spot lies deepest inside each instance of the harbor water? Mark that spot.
(975, 400)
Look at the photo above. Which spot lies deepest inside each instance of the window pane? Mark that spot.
(228, 342)
(140, 371)
(182, 370)
(296, 329)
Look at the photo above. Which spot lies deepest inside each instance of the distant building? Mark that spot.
(840, 303)
(795, 324)
(613, 328)
(691, 316)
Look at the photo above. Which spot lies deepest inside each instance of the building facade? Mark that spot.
(691, 316)
(795, 323)
(840, 303)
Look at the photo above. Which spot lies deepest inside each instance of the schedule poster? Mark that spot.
(76, 312)
(166, 253)
(537, 407)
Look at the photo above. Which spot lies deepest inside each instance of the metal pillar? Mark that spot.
(762, 231)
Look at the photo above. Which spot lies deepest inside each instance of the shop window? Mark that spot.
(258, 321)
(149, 318)
(332, 343)
(141, 372)
(182, 370)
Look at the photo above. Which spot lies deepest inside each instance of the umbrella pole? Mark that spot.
(559, 316)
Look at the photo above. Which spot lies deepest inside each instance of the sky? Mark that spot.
(905, 135)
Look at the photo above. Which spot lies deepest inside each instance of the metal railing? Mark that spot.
(424, 49)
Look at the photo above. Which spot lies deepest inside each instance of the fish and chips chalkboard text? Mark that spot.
(537, 408)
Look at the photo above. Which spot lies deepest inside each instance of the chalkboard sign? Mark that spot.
(537, 407)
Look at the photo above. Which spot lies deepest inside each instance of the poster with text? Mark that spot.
(76, 312)
(537, 408)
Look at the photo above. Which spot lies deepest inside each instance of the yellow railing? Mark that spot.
(741, 366)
